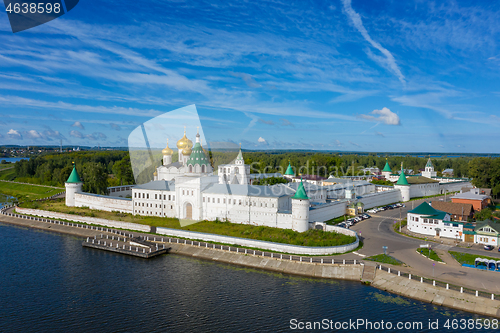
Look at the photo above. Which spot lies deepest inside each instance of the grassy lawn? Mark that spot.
(385, 259)
(429, 253)
(309, 238)
(466, 258)
(27, 192)
(6, 166)
(9, 174)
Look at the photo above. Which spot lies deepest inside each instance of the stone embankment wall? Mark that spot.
(328, 271)
(278, 247)
(85, 219)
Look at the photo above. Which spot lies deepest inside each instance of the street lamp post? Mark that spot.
(400, 221)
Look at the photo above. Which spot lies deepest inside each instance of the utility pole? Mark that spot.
(400, 221)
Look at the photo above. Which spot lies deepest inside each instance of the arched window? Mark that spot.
(236, 170)
(190, 168)
(203, 169)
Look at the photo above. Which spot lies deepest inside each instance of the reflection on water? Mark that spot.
(50, 283)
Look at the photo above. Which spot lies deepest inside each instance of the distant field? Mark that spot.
(7, 174)
(309, 238)
(6, 166)
(27, 192)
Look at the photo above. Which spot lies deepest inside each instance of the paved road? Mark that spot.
(377, 232)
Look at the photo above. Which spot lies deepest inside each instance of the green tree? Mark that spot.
(95, 178)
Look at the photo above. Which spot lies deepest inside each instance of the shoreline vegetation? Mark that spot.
(311, 237)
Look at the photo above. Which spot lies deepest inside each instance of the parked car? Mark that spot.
(489, 247)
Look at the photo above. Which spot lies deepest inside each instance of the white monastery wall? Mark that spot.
(85, 219)
(381, 198)
(102, 202)
(423, 190)
(328, 211)
(453, 186)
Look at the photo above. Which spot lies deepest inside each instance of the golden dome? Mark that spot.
(184, 142)
(167, 150)
(187, 151)
(155, 173)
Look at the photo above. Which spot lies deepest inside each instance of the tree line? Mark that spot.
(101, 169)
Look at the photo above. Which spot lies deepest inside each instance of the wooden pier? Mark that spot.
(135, 246)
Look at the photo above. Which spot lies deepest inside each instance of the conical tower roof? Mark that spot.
(301, 192)
(74, 177)
(402, 178)
(289, 170)
(386, 168)
(429, 163)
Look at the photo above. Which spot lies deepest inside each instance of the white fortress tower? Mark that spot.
(429, 170)
(73, 185)
(386, 171)
(403, 185)
(300, 210)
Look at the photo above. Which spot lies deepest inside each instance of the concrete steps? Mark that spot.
(369, 273)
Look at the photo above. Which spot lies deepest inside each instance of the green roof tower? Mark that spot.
(289, 170)
(386, 168)
(301, 192)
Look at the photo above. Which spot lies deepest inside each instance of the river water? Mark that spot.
(50, 283)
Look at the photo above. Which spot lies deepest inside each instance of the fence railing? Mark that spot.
(173, 240)
(433, 282)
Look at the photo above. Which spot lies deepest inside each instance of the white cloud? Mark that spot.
(385, 115)
(389, 60)
(76, 134)
(34, 134)
(13, 134)
(78, 124)
(261, 140)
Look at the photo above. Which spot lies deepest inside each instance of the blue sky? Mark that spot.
(339, 75)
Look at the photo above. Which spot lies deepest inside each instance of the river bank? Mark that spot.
(355, 272)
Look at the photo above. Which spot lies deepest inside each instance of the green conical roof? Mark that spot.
(289, 170)
(73, 177)
(301, 192)
(240, 156)
(402, 179)
(387, 168)
(197, 156)
(429, 163)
